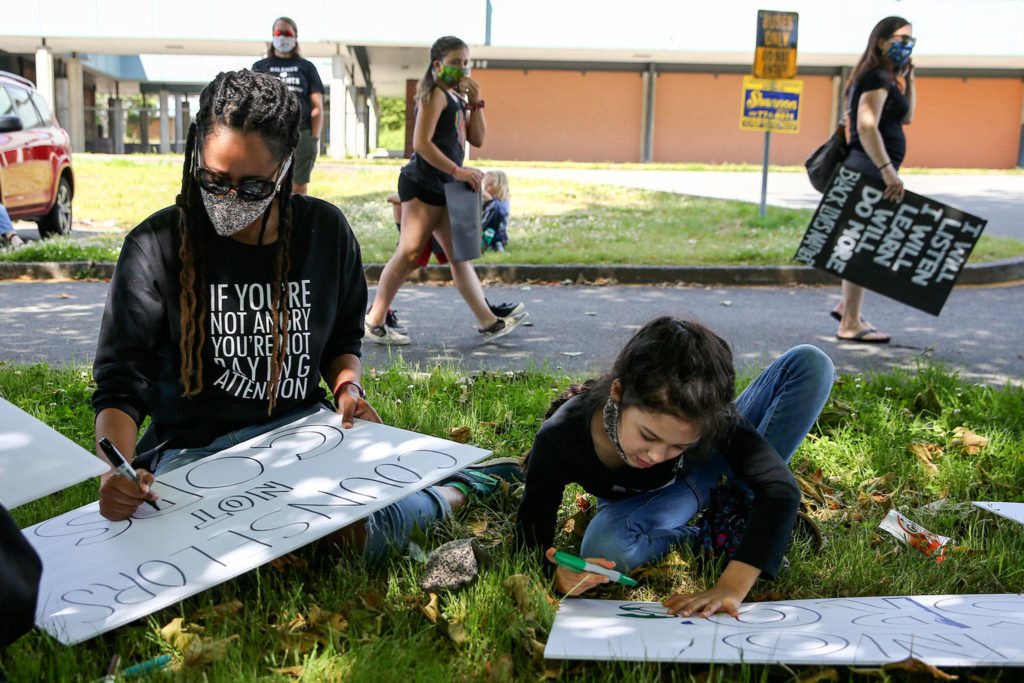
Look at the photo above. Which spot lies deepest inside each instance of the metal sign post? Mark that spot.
(770, 100)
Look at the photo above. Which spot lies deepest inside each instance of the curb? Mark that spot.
(996, 272)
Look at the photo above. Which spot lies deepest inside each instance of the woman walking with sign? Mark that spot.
(881, 101)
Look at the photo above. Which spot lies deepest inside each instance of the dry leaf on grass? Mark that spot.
(179, 634)
(577, 524)
(290, 560)
(924, 456)
(290, 671)
(519, 586)
(222, 610)
(459, 434)
(829, 674)
(430, 610)
(455, 631)
(502, 670)
(971, 442)
(911, 666)
(204, 651)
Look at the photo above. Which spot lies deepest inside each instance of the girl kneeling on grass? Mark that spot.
(652, 438)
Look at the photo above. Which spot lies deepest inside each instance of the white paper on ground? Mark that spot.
(36, 460)
(226, 514)
(1014, 511)
(943, 630)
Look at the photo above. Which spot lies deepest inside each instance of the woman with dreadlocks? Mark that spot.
(226, 308)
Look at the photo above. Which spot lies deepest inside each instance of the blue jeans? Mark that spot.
(6, 225)
(387, 529)
(782, 403)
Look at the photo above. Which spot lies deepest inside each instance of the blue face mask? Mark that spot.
(899, 52)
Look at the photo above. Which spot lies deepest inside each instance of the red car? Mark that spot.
(36, 181)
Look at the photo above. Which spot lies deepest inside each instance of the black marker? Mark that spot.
(121, 465)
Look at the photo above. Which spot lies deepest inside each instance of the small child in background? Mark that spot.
(496, 211)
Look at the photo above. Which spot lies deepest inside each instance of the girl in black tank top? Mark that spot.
(449, 113)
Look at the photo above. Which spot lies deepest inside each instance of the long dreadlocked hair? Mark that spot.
(246, 102)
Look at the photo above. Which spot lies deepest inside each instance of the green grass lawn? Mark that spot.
(552, 222)
(324, 620)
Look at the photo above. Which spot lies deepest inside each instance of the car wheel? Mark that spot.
(58, 221)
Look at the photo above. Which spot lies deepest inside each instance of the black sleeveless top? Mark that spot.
(890, 125)
(450, 138)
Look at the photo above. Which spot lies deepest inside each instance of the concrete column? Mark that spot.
(75, 123)
(60, 97)
(650, 80)
(116, 113)
(144, 128)
(351, 120)
(165, 123)
(338, 114)
(44, 75)
(372, 124)
(179, 123)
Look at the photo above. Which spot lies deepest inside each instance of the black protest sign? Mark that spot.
(911, 251)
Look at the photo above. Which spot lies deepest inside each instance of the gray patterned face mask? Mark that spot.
(610, 418)
(230, 213)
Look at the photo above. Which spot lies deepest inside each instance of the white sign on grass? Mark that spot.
(943, 630)
(226, 514)
(1014, 511)
(36, 460)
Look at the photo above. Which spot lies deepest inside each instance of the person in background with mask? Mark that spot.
(881, 99)
(301, 77)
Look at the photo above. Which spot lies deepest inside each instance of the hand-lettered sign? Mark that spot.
(36, 461)
(942, 630)
(912, 251)
(226, 514)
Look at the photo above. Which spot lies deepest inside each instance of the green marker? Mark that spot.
(578, 564)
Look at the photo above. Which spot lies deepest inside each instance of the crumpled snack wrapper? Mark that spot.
(915, 535)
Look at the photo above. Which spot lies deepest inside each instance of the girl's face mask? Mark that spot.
(900, 50)
(451, 75)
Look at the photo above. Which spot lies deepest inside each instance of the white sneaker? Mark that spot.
(502, 326)
(382, 334)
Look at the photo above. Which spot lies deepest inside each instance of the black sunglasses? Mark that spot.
(249, 190)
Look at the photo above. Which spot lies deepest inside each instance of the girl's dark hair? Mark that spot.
(247, 102)
(872, 57)
(672, 366)
(295, 27)
(441, 47)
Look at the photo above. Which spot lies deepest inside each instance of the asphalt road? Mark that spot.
(577, 329)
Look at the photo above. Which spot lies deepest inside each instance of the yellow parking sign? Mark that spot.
(771, 105)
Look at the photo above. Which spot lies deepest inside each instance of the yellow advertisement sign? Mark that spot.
(771, 105)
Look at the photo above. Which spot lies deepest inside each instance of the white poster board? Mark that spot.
(36, 461)
(1014, 511)
(943, 630)
(226, 514)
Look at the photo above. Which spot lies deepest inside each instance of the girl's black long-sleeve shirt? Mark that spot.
(563, 453)
(137, 365)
